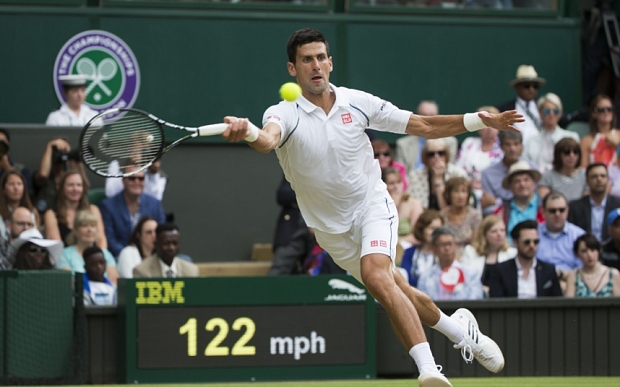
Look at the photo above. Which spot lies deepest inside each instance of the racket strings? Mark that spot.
(132, 142)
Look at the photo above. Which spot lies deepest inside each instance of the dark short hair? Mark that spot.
(509, 135)
(592, 166)
(301, 37)
(562, 146)
(443, 230)
(551, 196)
(90, 251)
(423, 221)
(165, 227)
(590, 240)
(525, 225)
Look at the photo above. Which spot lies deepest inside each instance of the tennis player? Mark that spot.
(326, 156)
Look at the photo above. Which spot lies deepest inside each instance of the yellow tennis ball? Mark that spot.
(290, 91)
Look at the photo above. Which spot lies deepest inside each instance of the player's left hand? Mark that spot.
(237, 130)
(501, 121)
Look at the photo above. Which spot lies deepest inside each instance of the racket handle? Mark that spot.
(210, 130)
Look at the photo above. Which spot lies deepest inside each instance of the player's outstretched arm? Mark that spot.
(242, 129)
(445, 126)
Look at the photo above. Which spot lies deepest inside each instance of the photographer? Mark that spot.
(6, 164)
(57, 158)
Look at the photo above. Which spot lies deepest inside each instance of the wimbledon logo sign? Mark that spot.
(109, 65)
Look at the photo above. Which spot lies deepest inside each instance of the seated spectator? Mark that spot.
(479, 152)
(56, 159)
(141, 246)
(599, 146)
(32, 252)
(383, 153)
(417, 259)
(521, 181)
(610, 254)
(98, 290)
(458, 214)
(539, 148)
(83, 236)
(409, 148)
(593, 279)
(165, 262)
(122, 212)
(14, 195)
(430, 180)
(20, 221)
(448, 279)
(566, 176)
(557, 236)
(409, 209)
(488, 248)
(493, 193)
(525, 276)
(7, 164)
(72, 197)
(591, 211)
(155, 180)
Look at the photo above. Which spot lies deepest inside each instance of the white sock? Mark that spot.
(423, 357)
(450, 328)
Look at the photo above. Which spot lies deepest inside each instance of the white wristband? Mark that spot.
(472, 122)
(253, 136)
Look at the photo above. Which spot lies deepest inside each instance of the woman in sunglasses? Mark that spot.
(72, 197)
(539, 149)
(32, 252)
(428, 183)
(594, 279)
(383, 153)
(567, 176)
(600, 145)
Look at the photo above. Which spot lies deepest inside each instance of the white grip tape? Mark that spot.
(254, 131)
(473, 122)
(210, 130)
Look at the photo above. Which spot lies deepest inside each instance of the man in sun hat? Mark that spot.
(33, 252)
(74, 112)
(526, 84)
(521, 181)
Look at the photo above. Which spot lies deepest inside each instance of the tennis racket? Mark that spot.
(132, 143)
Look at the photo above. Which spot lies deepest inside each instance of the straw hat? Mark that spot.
(527, 73)
(520, 167)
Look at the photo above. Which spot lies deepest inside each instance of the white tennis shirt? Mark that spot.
(328, 159)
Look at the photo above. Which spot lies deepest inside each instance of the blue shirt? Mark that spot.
(71, 259)
(598, 214)
(492, 178)
(420, 164)
(558, 250)
(518, 215)
(468, 288)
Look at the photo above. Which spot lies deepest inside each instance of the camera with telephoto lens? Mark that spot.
(60, 157)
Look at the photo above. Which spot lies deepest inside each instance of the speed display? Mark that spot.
(254, 328)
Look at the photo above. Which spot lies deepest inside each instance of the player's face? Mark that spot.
(167, 245)
(75, 96)
(73, 187)
(95, 266)
(311, 68)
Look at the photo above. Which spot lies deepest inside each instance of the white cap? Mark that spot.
(34, 236)
(73, 80)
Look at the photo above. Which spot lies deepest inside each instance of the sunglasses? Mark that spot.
(432, 154)
(530, 85)
(556, 210)
(547, 111)
(37, 249)
(567, 152)
(602, 109)
(529, 241)
(384, 154)
(134, 178)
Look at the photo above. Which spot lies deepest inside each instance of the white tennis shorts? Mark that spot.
(374, 231)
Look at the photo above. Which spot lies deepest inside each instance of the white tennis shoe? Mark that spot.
(475, 344)
(433, 378)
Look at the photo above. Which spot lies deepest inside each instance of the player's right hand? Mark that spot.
(237, 130)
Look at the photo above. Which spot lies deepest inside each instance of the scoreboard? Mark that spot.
(246, 329)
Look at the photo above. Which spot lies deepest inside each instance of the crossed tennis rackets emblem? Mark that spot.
(98, 74)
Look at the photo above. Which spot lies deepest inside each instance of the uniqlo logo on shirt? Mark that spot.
(346, 119)
(383, 243)
(374, 243)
